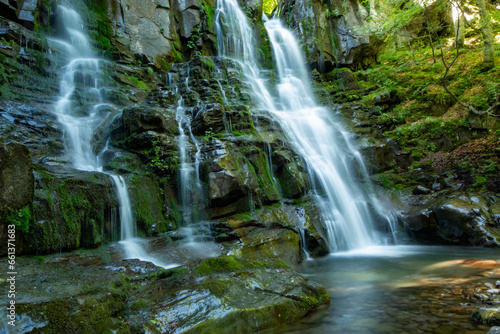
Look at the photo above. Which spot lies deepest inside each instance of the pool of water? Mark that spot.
(400, 289)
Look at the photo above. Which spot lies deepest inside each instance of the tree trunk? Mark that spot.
(487, 31)
(459, 26)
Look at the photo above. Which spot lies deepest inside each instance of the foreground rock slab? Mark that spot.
(81, 294)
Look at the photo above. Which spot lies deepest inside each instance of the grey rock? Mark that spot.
(16, 176)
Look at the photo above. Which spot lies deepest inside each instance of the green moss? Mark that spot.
(264, 49)
(209, 12)
(96, 315)
(243, 215)
(259, 167)
(218, 265)
(176, 56)
(140, 84)
(233, 264)
(21, 219)
(100, 31)
(147, 205)
(421, 135)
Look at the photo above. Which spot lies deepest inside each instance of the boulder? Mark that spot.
(490, 316)
(458, 219)
(72, 209)
(380, 155)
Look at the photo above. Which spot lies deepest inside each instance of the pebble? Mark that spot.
(497, 284)
(489, 285)
(493, 291)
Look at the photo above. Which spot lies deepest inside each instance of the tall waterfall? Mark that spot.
(81, 109)
(335, 166)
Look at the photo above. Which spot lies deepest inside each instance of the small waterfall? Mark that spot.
(81, 109)
(190, 192)
(334, 165)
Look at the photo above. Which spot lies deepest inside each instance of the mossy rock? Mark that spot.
(147, 205)
(236, 296)
(487, 316)
(71, 210)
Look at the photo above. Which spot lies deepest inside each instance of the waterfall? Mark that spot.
(189, 192)
(81, 109)
(334, 165)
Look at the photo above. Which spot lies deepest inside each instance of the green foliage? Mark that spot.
(392, 17)
(195, 35)
(269, 5)
(484, 174)
(166, 166)
(209, 12)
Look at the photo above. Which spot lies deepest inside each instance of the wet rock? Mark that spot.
(461, 219)
(290, 172)
(26, 13)
(252, 298)
(420, 190)
(223, 295)
(140, 119)
(270, 244)
(72, 209)
(208, 118)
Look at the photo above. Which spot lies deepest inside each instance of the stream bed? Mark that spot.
(400, 289)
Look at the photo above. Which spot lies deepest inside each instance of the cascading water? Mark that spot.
(331, 159)
(189, 191)
(80, 109)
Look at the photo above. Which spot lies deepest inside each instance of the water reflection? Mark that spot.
(401, 289)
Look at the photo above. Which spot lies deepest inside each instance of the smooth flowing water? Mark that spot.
(335, 166)
(81, 109)
(399, 289)
(190, 187)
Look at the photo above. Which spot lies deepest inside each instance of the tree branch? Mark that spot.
(447, 67)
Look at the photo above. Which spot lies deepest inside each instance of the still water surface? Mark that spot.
(400, 289)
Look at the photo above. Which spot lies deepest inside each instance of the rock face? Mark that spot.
(16, 176)
(160, 32)
(17, 188)
(458, 218)
(330, 32)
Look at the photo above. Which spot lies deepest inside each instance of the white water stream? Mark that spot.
(335, 165)
(80, 109)
(190, 186)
